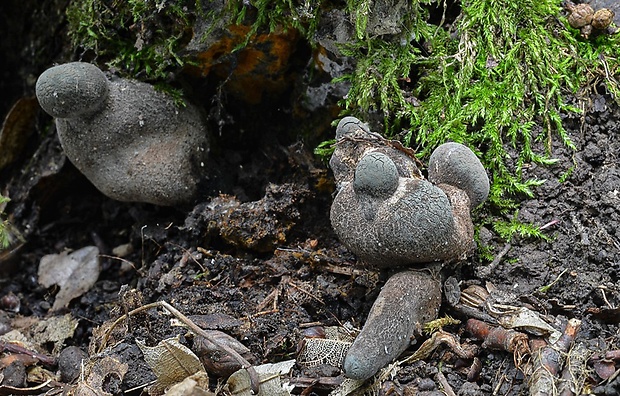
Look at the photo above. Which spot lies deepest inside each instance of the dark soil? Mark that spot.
(263, 252)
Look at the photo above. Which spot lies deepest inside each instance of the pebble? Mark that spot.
(70, 363)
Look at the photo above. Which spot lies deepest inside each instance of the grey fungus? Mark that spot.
(393, 319)
(348, 125)
(132, 142)
(393, 219)
(72, 89)
(376, 175)
(456, 165)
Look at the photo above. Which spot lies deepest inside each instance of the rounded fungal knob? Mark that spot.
(602, 18)
(456, 165)
(580, 15)
(375, 175)
(348, 125)
(407, 301)
(71, 89)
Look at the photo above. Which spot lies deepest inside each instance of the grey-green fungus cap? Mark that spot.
(456, 165)
(72, 89)
(131, 141)
(348, 125)
(376, 175)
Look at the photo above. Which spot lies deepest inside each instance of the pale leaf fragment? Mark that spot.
(347, 387)
(524, 319)
(75, 273)
(194, 385)
(171, 362)
(330, 350)
(271, 383)
(54, 330)
(319, 351)
(99, 373)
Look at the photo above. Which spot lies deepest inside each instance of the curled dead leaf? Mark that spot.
(270, 376)
(194, 385)
(171, 362)
(75, 273)
(102, 377)
(217, 361)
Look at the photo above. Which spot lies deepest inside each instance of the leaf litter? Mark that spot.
(74, 273)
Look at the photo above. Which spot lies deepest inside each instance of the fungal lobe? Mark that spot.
(395, 316)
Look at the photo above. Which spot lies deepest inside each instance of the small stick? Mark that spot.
(548, 361)
(447, 389)
(440, 337)
(14, 348)
(575, 372)
(484, 272)
(498, 338)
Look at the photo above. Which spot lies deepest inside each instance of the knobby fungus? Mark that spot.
(391, 218)
(131, 141)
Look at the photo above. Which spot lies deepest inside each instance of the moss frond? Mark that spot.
(142, 39)
(497, 81)
(5, 239)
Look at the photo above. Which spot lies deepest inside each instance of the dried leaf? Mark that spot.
(54, 330)
(318, 351)
(216, 321)
(39, 375)
(194, 385)
(269, 374)
(214, 359)
(17, 337)
(74, 273)
(100, 372)
(171, 362)
(347, 387)
(16, 129)
(524, 319)
(330, 350)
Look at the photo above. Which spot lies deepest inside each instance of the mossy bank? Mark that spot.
(496, 78)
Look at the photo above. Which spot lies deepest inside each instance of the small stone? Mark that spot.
(426, 384)
(15, 374)
(70, 363)
(470, 389)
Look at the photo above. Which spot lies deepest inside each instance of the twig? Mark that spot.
(307, 293)
(575, 372)
(440, 337)
(254, 380)
(14, 348)
(45, 386)
(498, 338)
(484, 272)
(444, 384)
(271, 297)
(548, 361)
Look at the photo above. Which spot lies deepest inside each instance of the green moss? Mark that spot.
(508, 229)
(277, 14)
(497, 81)
(5, 239)
(140, 39)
